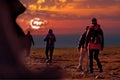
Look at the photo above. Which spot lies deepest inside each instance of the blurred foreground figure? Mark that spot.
(12, 44)
(11, 47)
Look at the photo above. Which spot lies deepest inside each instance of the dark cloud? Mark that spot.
(77, 4)
(62, 16)
(48, 3)
(54, 15)
(28, 1)
(95, 3)
(57, 3)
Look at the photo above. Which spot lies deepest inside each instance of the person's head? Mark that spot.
(94, 21)
(87, 27)
(28, 32)
(50, 31)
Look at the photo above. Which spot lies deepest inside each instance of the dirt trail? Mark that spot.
(58, 70)
(45, 70)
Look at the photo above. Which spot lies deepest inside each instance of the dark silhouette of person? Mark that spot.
(83, 52)
(29, 42)
(12, 46)
(50, 40)
(94, 43)
(12, 36)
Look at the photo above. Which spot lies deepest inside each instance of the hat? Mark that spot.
(94, 21)
(50, 31)
(87, 27)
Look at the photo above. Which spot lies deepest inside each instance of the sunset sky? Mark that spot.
(71, 16)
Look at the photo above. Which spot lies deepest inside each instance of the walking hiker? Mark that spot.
(83, 52)
(29, 42)
(94, 43)
(50, 40)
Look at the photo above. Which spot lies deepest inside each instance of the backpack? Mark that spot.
(51, 39)
(95, 35)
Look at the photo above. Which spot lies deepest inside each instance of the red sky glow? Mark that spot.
(71, 16)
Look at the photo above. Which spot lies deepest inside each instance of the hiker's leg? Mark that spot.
(81, 58)
(98, 61)
(91, 60)
(28, 51)
(46, 52)
(87, 60)
(51, 53)
(27, 55)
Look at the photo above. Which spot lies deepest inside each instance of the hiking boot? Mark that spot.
(87, 71)
(100, 70)
(50, 61)
(79, 68)
(47, 60)
(91, 71)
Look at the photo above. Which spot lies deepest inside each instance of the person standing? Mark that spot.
(29, 42)
(83, 52)
(95, 43)
(50, 40)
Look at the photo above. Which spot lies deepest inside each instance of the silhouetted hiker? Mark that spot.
(29, 42)
(83, 52)
(94, 43)
(50, 40)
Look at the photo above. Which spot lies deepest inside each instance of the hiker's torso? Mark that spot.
(28, 39)
(95, 39)
(50, 40)
(82, 40)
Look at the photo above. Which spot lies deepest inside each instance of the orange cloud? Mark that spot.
(40, 1)
(33, 7)
(80, 11)
(79, 8)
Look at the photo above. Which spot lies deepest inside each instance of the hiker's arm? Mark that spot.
(46, 38)
(79, 44)
(102, 44)
(32, 40)
(81, 41)
(87, 38)
(55, 38)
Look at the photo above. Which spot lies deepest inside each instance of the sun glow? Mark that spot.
(37, 23)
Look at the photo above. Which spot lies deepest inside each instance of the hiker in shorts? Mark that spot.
(94, 44)
(83, 52)
(50, 41)
(29, 42)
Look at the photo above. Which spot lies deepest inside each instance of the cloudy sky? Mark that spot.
(71, 16)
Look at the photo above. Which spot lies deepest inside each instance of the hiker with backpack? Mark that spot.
(94, 43)
(83, 52)
(50, 40)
